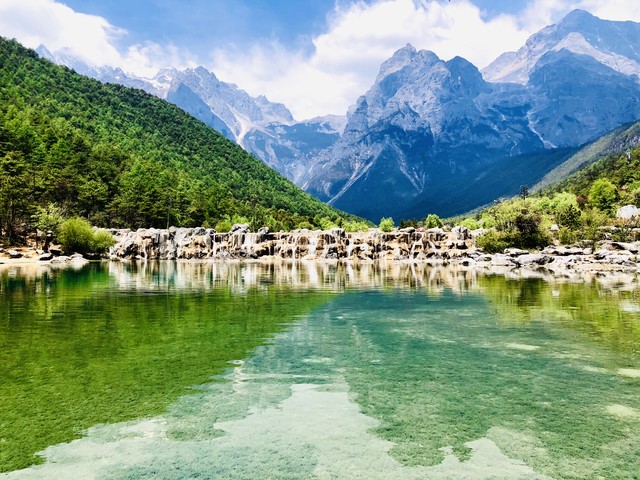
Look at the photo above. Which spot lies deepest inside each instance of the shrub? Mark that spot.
(567, 236)
(102, 240)
(77, 235)
(603, 195)
(325, 223)
(224, 225)
(470, 223)
(386, 224)
(432, 221)
(355, 226)
(48, 218)
(492, 242)
(592, 222)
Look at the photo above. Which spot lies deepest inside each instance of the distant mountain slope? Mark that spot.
(616, 142)
(125, 158)
(263, 128)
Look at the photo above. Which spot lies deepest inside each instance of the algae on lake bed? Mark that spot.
(76, 350)
(427, 377)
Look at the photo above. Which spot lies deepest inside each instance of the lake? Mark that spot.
(310, 370)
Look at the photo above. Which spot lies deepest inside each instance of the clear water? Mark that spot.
(183, 371)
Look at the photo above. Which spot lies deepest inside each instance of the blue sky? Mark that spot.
(316, 56)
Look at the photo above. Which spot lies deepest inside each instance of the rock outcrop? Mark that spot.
(200, 243)
(432, 246)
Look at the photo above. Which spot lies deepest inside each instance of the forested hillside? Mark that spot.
(122, 158)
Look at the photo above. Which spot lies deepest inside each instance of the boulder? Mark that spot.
(14, 254)
(628, 212)
(461, 233)
(534, 259)
(239, 228)
(45, 257)
(629, 247)
(515, 252)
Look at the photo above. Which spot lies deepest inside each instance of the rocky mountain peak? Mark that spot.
(614, 44)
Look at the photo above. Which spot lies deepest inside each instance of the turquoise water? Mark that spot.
(314, 371)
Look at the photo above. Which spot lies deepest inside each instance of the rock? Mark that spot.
(515, 252)
(408, 230)
(338, 232)
(630, 247)
(76, 256)
(534, 258)
(628, 212)
(554, 228)
(45, 257)
(499, 260)
(60, 259)
(14, 254)
(461, 233)
(1, 250)
(239, 228)
(56, 252)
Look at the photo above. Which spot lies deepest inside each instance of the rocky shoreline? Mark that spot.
(435, 246)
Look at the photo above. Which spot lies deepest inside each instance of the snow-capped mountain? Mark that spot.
(436, 136)
(614, 44)
(431, 135)
(264, 128)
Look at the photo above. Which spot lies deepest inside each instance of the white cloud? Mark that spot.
(89, 38)
(35, 22)
(358, 39)
(345, 59)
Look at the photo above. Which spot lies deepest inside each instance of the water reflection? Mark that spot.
(381, 371)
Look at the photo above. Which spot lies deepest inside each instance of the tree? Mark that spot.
(603, 195)
(432, 221)
(387, 224)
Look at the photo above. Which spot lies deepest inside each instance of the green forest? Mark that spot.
(119, 157)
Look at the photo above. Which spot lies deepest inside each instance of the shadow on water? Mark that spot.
(347, 371)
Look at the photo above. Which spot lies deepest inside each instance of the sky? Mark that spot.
(315, 56)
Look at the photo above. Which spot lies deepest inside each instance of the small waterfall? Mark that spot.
(350, 246)
(313, 243)
(248, 245)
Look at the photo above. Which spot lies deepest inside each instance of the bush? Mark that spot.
(520, 224)
(223, 226)
(77, 235)
(567, 236)
(355, 226)
(325, 223)
(603, 195)
(470, 223)
(492, 242)
(386, 224)
(432, 221)
(48, 218)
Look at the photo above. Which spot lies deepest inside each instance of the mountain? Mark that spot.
(122, 157)
(263, 128)
(613, 44)
(619, 142)
(434, 136)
